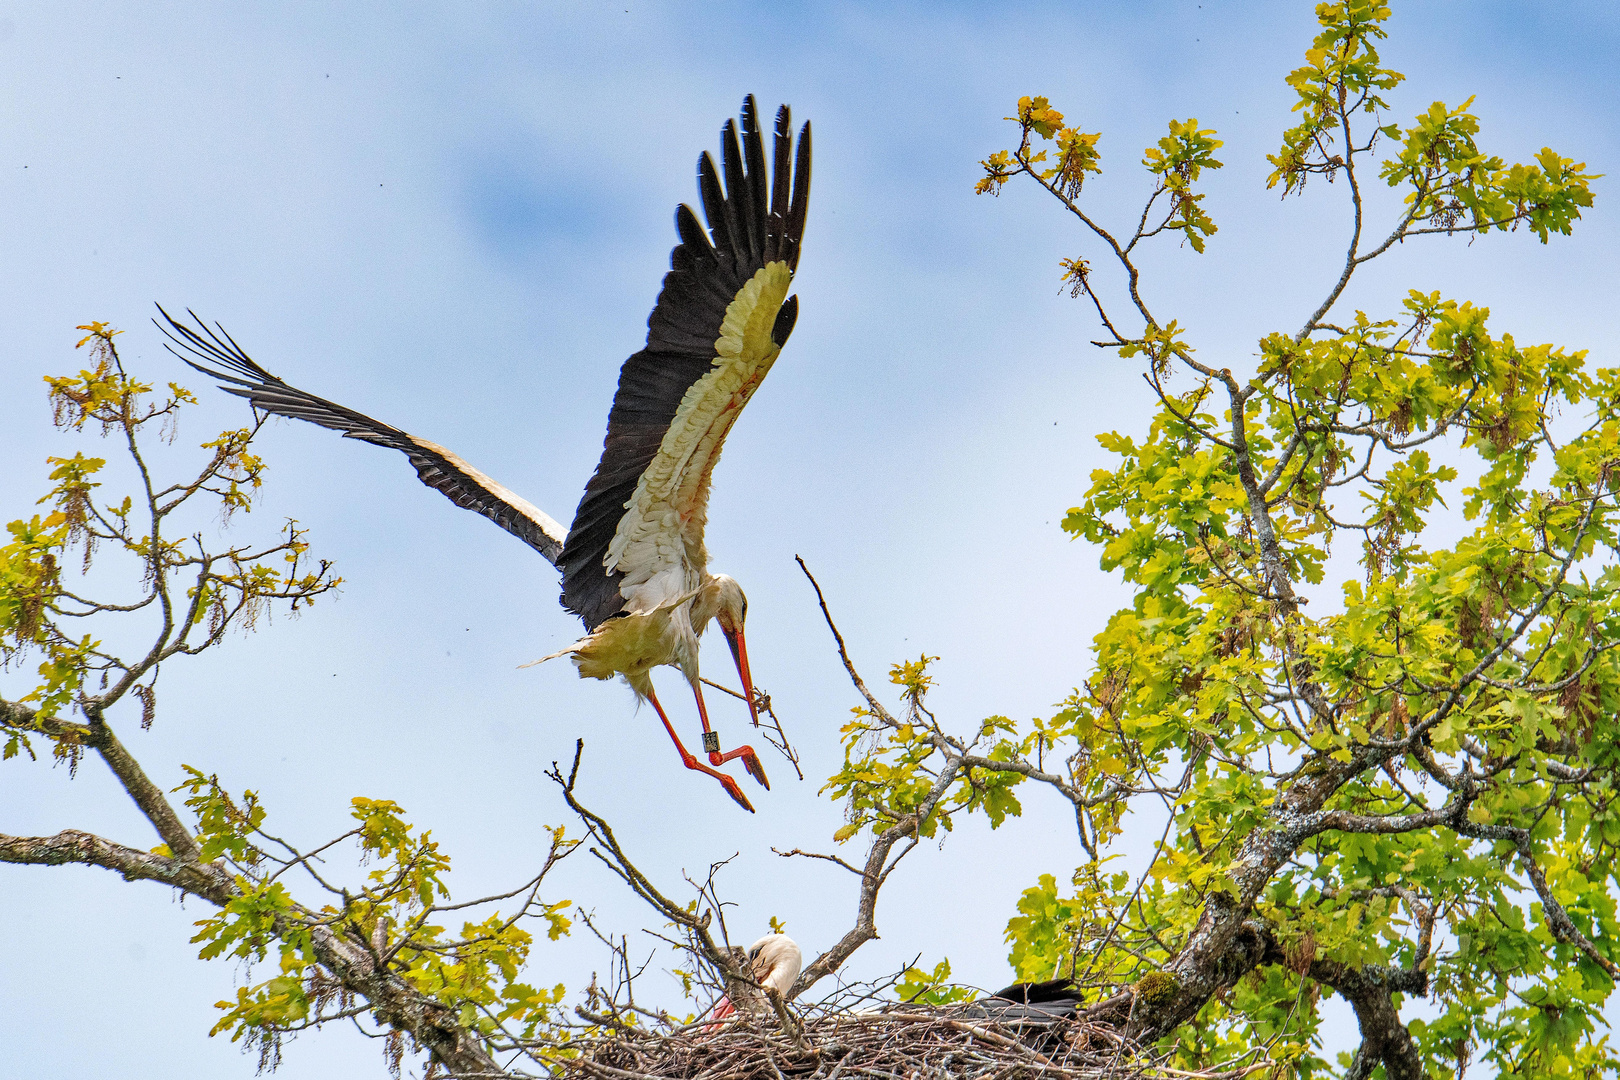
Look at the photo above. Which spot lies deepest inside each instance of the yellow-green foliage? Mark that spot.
(474, 972)
(1479, 668)
(187, 595)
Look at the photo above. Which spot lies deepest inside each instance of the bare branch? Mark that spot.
(843, 653)
(697, 928)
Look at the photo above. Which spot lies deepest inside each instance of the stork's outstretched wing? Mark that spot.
(439, 468)
(722, 316)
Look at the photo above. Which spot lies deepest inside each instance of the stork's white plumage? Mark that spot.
(774, 961)
(634, 564)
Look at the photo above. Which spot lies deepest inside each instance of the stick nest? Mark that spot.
(901, 1042)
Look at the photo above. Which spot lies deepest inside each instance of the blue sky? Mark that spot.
(455, 218)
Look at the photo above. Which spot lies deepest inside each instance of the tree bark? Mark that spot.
(1383, 1037)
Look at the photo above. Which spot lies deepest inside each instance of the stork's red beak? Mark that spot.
(739, 653)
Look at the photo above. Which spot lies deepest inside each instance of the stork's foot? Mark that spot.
(755, 769)
(725, 781)
(750, 762)
(694, 764)
(735, 792)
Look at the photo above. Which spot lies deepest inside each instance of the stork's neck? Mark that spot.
(705, 604)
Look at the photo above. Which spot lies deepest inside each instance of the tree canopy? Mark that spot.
(1394, 785)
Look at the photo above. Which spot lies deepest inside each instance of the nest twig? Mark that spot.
(897, 1042)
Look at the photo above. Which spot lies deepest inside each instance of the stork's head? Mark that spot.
(774, 961)
(722, 599)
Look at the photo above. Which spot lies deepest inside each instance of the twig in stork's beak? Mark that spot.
(739, 653)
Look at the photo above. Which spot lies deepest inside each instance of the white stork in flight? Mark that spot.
(633, 564)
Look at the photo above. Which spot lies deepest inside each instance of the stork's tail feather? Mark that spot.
(574, 648)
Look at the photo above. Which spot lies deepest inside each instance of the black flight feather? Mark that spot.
(781, 177)
(759, 204)
(714, 204)
(269, 394)
(793, 234)
(1060, 990)
(739, 211)
(1036, 1011)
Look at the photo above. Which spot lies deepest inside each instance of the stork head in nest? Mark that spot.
(774, 960)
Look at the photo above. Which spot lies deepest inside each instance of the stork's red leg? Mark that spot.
(693, 763)
(749, 758)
